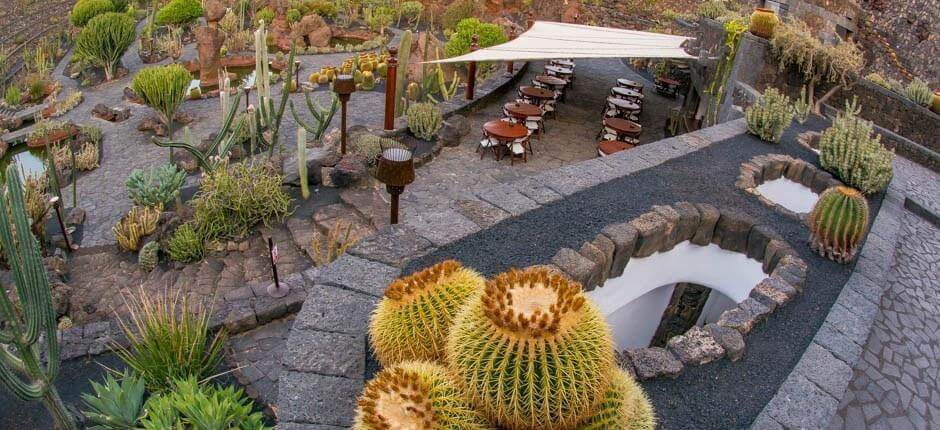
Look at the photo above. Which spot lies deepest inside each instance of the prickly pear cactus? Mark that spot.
(532, 351)
(413, 319)
(838, 223)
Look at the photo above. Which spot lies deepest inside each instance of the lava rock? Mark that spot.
(689, 219)
(623, 235)
(730, 340)
(651, 233)
(454, 129)
(597, 276)
(773, 292)
(745, 316)
(732, 231)
(706, 227)
(696, 347)
(350, 170)
(672, 225)
(653, 362)
(578, 267)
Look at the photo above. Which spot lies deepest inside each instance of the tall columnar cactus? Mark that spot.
(769, 116)
(532, 351)
(416, 395)
(262, 70)
(218, 150)
(838, 223)
(321, 115)
(413, 319)
(401, 79)
(850, 150)
(267, 115)
(424, 120)
(302, 162)
(624, 407)
(25, 371)
(225, 86)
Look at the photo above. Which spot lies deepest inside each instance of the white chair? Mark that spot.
(519, 148)
(487, 143)
(535, 124)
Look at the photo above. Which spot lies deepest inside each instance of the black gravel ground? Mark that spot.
(719, 395)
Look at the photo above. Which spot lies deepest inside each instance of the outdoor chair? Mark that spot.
(519, 148)
(488, 143)
(548, 108)
(535, 124)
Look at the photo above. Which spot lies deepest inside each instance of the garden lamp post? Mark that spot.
(58, 214)
(247, 89)
(344, 86)
(509, 64)
(395, 169)
(472, 67)
(390, 83)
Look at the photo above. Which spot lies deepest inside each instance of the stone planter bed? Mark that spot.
(766, 168)
(722, 394)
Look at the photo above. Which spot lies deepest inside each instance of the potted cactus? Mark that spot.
(763, 22)
(838, 223)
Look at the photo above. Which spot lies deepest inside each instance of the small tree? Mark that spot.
(104, 40)
(793, 44)
(459, 42)
(179, 12)
(163, 89)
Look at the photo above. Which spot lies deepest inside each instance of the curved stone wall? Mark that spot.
(768, 167)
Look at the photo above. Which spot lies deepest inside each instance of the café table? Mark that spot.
(627, 83)
(626, 92)
(623, 127)
(540, 94)
(505, 132)
(522, 110)
(608, 147)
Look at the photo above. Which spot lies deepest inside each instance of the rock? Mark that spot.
(732, 231)
(654, 361)
(350, 170)
(607, 247)
(108, 114)
(60, 298)
(453, 130)
(600, 267)
(743, 317)
(578, 267)
(821, 180)
(316, 158)
(213, 10)
(651, 234)
(672, 225)
(166, 226)
(131, 96)
(689, 219)
(773, 169)
(706, 227)
(695, 347)
(795, 169)
(773, 253)
(792, 270)
(757, 240)
(730, 340)
(208, 42)
(74, 216)
(312, 30)
(623, 235)
(773, 292)
(152, 124)
(184, 160)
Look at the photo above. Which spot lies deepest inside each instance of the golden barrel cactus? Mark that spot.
(412, 321)
(838, 223)
(532, 351)
(416, 395)
(625, 407)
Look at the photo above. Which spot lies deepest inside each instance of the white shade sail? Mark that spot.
(547, 40)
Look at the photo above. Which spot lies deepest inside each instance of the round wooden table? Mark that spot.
(505, 131)
(522, 110)
(559, 70)
(623, 104)
(626, 92)
(608, 147)
(537, 93)
(623, 82)
(561, 63)
(624, 126)
(668, 81)
(551, 80)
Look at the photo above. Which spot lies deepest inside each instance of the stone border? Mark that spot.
(768, 167)
(810, 396)
(326, 360)
(702, 224)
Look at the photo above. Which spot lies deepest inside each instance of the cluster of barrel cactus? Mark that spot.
(838, 223)
(523, 350)
(852, 151)
(769, 116)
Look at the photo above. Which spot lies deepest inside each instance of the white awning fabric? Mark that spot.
(547, 40)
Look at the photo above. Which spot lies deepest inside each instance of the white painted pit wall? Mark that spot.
(790, 194)
(633, 303)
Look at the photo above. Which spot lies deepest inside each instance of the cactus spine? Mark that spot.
(769, 116)
(26, 373)
(624, 406)
(532, 351)
(838, 223)
(851, 150)
(424, 120)
(418, 396)
(413, 319)
(404, 57)
(302, 162)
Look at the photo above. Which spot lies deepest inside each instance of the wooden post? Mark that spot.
(390, 89)
(509, 65)
(472, 67)
(530, 19)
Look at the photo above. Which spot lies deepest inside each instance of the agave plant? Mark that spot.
(116, 405)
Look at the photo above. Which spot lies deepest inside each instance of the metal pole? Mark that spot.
(58, 215)
(509, 65)
(297, 73)
(277, 291)
(390, 82)
(395, 192)
(472, 68)
(343, 99)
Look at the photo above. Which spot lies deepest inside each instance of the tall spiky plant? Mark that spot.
(851, 150)
(267, 115)
(401, 79)
(769, 116)
(532, 351)
(838, 223)
(322, 116)
(217, 152)
(29, 325)
(413, 319)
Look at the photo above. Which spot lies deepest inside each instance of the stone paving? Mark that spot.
(255, 357)
(896, 384)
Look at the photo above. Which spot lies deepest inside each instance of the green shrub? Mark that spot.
(233, 198)
(115, 406)
(191, 405)
(157, 187)
(853, 152)
(411, 10)
(711, 9)
(186, 245)
(424, 120)
(36, 89)
(456, 12)
(877, 79)
(293, 15)
(265, 14)
(162, 88)
(179, 12)
(104, 39)
(169, 340)
(801, 107)
(13, 96)
(918, 92)
(769, 116)
(380, 18)
(370, 147)
(85, 10)
(459, 42)
(120, 5)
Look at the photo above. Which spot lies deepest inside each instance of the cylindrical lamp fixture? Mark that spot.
(395, 169)
(344, 86)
